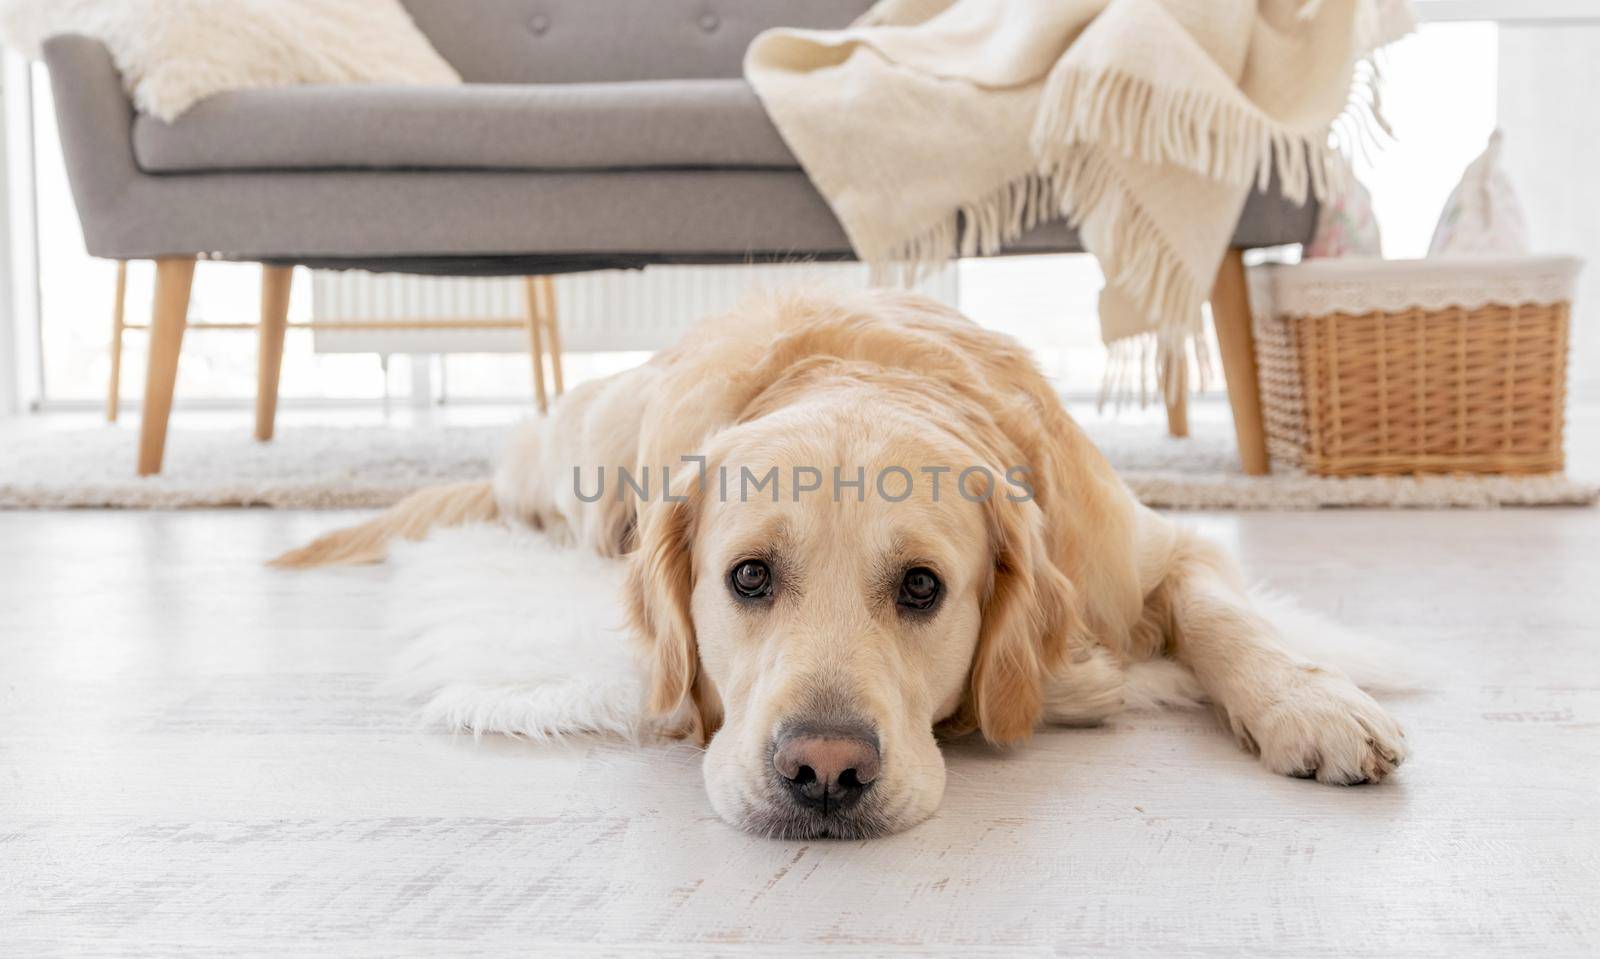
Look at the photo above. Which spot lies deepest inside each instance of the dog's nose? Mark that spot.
(829, 771)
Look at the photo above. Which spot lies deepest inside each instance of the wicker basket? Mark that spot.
(1420, 366)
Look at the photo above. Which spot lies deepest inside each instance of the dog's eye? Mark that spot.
(919, 589)
(751, 579)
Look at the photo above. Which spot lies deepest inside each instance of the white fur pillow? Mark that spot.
(173, 53)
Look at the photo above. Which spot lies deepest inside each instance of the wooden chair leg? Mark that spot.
(530, 289)
(276, 282)
(1230, 312)
(1177, 397)
(169, 317)
(119, 301)
(552, 328)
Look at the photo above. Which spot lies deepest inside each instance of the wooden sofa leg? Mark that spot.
(552, 329)
(1230, 312)
(119, 302)
(533, 306)
(1177, 398)
(169, 317)
(276, 282)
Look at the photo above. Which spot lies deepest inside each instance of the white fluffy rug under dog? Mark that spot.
(324, 467)
(506, 634)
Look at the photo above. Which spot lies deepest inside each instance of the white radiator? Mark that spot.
(598, 312)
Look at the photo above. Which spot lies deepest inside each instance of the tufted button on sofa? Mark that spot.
(589, 134)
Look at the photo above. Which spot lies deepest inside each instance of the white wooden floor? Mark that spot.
(194, 761)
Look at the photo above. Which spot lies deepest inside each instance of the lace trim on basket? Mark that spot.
(1316, 289)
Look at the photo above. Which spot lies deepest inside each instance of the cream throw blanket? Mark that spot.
(938, 128)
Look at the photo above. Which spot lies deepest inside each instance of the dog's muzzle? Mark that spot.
(824, 777)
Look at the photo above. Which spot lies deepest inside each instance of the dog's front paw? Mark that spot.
(1321, 726)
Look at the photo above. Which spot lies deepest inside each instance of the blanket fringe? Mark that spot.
(1083, 187)
(1360, 129)
(1231, 142)
(1138, 366)
(1139, 263)
(1137, 258)
(979, 227)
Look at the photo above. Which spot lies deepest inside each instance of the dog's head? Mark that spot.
(831, 590)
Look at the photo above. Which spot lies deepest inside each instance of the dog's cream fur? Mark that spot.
(1048, 599)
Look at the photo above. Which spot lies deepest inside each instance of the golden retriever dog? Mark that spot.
(857, 523)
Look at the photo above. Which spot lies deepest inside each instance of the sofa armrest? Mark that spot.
(95, 119)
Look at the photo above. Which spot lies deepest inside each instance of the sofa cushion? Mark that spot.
(635, 125)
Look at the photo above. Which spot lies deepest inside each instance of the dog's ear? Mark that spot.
(660, 583)
(1027, 617)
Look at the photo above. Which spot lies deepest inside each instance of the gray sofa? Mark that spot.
(590, 134)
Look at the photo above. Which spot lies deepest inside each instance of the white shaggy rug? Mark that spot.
(329, 467)
(506, 634)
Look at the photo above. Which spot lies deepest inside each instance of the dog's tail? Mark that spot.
(411, 518)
